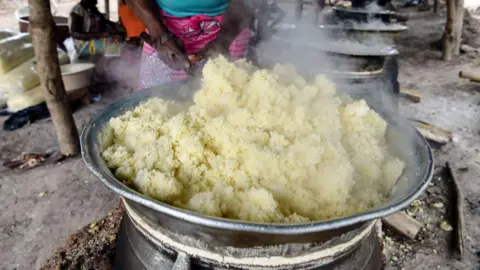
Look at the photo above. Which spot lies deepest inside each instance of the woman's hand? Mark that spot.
(168, 50)
(214, 48)
(237, 17)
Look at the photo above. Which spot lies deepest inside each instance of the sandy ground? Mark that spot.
(41, 207)
(451, 103)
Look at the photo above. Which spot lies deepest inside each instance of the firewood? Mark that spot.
(412, 94)
(459, 218)
(433, 133)
(402, 224)
(468, 49)
(471, 75)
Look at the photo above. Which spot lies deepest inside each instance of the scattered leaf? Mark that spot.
(438, 205)
(446, 227)
(416, 203)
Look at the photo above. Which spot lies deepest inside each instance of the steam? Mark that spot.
(313, 50)
(374, 7)
(332, 48)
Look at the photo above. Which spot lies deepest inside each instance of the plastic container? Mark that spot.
(61, 22)
(77, 76)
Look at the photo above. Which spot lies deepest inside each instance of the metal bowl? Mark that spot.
(362, 14)
(394, 28)
(403, 139)
(342, 46)
(365, 33)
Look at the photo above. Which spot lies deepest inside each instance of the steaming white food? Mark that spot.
(256, 145)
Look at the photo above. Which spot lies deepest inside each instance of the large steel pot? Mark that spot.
(141, 246)
(365, 33)
(363, 14)
(403, 140)
(327, 44)
(371, 75)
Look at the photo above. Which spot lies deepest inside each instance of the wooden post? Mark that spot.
(107, 9)
(449, 34)
(48, 68)
(435, 6)
(460, 9)
(452, 37)
(299, 9)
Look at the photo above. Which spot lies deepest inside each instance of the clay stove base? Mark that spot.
(136, 251)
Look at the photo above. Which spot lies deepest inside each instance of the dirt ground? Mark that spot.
(41, 207)
(451, 103)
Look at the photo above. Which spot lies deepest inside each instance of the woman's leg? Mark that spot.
(298, 9)
(239, 47)
(152, 70)
(319, 6)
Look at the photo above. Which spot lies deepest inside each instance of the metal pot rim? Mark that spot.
(229, 224)
(356, 28)
(362, 11)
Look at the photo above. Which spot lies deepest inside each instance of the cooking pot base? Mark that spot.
(134, 250)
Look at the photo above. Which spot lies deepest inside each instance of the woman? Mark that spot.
(189, 29)
(133, 25)
(131, 53)
(92, 32)
(319, 5)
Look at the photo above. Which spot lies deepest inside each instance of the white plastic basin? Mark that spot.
(77, 76)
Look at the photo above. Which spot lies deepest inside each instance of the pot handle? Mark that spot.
(182, 262)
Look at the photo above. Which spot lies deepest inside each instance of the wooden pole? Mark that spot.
(458, 212)
(107, 9)
(449, 34)
(299, 9)
(458, 25)
(48, 68)
(452, 37)
(435, 6)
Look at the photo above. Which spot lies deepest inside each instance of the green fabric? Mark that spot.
(187, 8)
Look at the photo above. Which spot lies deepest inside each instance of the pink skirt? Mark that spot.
(195, 32)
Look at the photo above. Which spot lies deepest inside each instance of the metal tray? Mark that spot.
(364, 27)
(341, 47)
(364, 34)
(403, 140)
